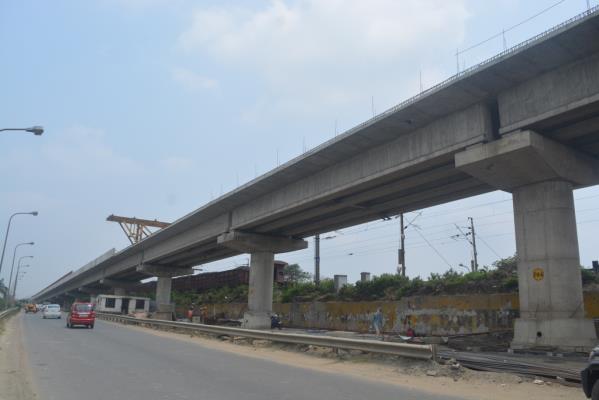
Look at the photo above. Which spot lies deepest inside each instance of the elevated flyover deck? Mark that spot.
(401, 160)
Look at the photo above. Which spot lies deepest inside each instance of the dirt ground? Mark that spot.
(446, 380)
(14, 372)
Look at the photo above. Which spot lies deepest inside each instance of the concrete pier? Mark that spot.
(164, 308)
(541, 174)
(260, 291)
(550, 286)
(262, 249)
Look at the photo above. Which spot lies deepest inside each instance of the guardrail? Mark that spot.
(423, 352)
(8, 312)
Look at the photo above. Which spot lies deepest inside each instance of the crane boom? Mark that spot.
(136, 229)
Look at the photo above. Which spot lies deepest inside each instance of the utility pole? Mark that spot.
(401, 252)
(475, 254)
(317, 259)
(465, 235)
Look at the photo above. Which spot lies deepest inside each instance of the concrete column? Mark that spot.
(541, 173)
(549, 281)
(131, 309)
(262, 249)
(260, 291)
(164, 308)
(163, 291)
(118, 303)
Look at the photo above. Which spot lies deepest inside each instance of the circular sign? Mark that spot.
(538, 274)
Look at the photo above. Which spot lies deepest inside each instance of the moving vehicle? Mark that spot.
(590, 376)
(81, 314)
(30, 308)
(51, 311)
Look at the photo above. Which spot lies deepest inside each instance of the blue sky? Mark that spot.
(152, 108)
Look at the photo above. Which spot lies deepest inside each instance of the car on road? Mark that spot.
(81, 314)
(590, 376)
(51, 311)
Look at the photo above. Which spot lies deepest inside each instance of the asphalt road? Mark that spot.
(115, 362)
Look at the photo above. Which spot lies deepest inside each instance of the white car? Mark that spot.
(51, 311)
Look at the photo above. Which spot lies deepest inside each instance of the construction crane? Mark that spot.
(136, 229)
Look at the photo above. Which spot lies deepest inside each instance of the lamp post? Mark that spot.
(36, 130)
(19, 266)
(34, 213)
(13, 261)
(14, 293)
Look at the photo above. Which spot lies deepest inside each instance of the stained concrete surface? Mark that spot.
(113, 362)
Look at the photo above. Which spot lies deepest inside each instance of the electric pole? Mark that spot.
(465, 235)
(401, 252)
(317, 259)
(475, 254)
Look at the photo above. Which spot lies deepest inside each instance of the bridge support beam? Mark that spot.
(262, 250)
(90, 292)
(164, 308)
(119, 287)
(541, 175)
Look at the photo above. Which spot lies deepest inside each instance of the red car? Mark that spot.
(81, 314)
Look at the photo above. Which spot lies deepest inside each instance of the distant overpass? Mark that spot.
(524, 121)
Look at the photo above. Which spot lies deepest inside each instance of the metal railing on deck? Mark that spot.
(423, 352)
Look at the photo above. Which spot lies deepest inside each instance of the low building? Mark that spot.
(110, 303)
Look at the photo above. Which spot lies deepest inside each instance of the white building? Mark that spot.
(122, 304)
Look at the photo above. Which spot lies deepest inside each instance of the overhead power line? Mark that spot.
(502, 33)
(433, 247)
(487, 244)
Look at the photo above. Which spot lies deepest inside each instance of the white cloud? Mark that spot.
(314, 53)
(191, 80)
(175, 164)
(82, 151)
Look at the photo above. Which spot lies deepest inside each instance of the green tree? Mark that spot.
(293, 273)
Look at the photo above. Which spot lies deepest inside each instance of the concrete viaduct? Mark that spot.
(525, 121)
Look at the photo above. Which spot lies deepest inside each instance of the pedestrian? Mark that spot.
(190, 312)
(377, 322)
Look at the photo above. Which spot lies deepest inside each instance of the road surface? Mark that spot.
(116, 362)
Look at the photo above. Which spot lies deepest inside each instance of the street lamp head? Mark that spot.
(30, 243)
(34, 213)
(36, 130)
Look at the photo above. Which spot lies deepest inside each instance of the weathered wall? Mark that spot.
(427, 315)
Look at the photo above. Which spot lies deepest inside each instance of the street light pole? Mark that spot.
(317, 260)
(19, 274)
(19, 267)
(13, 262)
(14, 293)
(36, 130)
(34, 213)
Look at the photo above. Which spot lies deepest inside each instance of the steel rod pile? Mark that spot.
(512, 364)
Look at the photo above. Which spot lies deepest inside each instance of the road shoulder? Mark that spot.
(15, 375)
(405, 373)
